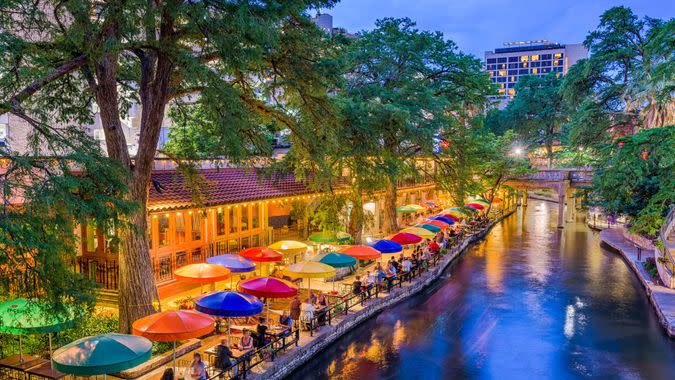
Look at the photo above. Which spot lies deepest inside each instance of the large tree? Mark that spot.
(627, 80)
(252, 65)
(406, 85)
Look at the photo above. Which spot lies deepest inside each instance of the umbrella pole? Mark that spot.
(51, 362)
(268, 309)
(228, 331)
(20, 350)
(174, 356)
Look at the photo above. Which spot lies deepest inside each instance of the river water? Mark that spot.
(531, 301)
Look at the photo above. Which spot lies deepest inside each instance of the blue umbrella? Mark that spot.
(229, 304)
(336, 260)
(387, 246)
(235, 263)
(102, 354)
(443, 219)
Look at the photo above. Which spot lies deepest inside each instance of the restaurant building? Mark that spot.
(238, 209)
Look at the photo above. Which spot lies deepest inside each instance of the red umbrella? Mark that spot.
(362, 252)
(454, 218)
(261, 255)
(475, 206)
(268, 287)
(437, 223)
(405, 238)
(173, 326)
(202, 273)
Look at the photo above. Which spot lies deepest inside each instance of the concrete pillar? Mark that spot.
(561, 208)
(571, 205)
(525, 198)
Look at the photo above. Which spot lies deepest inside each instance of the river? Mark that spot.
(530, 301)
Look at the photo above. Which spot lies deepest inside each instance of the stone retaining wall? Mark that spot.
(286, 364)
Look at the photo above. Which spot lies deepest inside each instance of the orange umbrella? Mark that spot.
(261, 255)
(362, 252)
(202, 273)
(172, 326)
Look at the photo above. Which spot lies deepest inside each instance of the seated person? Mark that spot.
(286, 322)
(368, 282)
(224, 357)
(246, 341)
(356, 285)
(407, 265)
(307, 310)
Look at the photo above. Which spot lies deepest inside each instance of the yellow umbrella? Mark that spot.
(309, 270)
(289, 247)
(421, 232)
(415, 207)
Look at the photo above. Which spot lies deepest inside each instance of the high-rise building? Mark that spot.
(325, 22)
(508, 64)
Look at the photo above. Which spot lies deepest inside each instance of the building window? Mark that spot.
(557, 55)
(534, 58)
(233, 221)
(196, 226)
(491, 60)
(163, 229)
(513, 65)
(220, 222)
(513, 59)
(181, 259)
(165, 272)
(92, 237)
(524, 64)
(255, 216)
(502, 72)
(244, 218)
(503, 66)
(523, 72)
(534, 71)
(524, 58)
(501, 60)
(546, 56)
(180, 228)
(512, 91)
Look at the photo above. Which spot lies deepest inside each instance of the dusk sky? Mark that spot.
(479, 25)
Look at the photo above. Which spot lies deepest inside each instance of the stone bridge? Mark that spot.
(562, 181)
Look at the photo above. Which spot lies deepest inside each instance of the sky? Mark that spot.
(480, 25)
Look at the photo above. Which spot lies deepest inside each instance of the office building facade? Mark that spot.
(516, 59)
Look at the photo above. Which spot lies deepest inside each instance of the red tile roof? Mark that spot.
(221, 186)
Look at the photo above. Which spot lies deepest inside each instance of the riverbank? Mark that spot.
(311, 346)
(661, 298)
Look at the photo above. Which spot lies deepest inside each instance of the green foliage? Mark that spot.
(636, 178)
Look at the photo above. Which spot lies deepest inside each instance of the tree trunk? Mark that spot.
(390, 223)
(136, 282)
(549, 154)
(356, 219)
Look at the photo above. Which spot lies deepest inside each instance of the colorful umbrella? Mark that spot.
(437, 222)
(430, 203)
(309, 270)
(454, 218)
(415, 207)
(482, 201)
(268, 287)
(421, 232)
(228, 305)
(336, 260)
(201, 273)
(23, 317)
(387, 246)
(261, 255)
(429, 227)
(102, 354)
(172, 326)
(476, 206)
(289, 247)
(329, 237)
(405, 238)
(470, 210)
(235, 263)
(361, 252)
(405, 209)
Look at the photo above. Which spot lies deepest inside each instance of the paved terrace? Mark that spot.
(283, 355)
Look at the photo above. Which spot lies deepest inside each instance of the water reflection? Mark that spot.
(530, 301)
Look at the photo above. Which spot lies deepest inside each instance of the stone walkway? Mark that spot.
(661, 298)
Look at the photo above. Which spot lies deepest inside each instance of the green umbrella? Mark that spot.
(102, 354)
(405, 209)
(429, 227)
(23, 317)
(336, 260)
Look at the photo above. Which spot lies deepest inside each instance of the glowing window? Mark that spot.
(534, 71)
(557, 55)
(524, 58)
(502, 72)
(524, 64)
(534, 58)
(180, 228)
(512, 91)
(163, 229)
